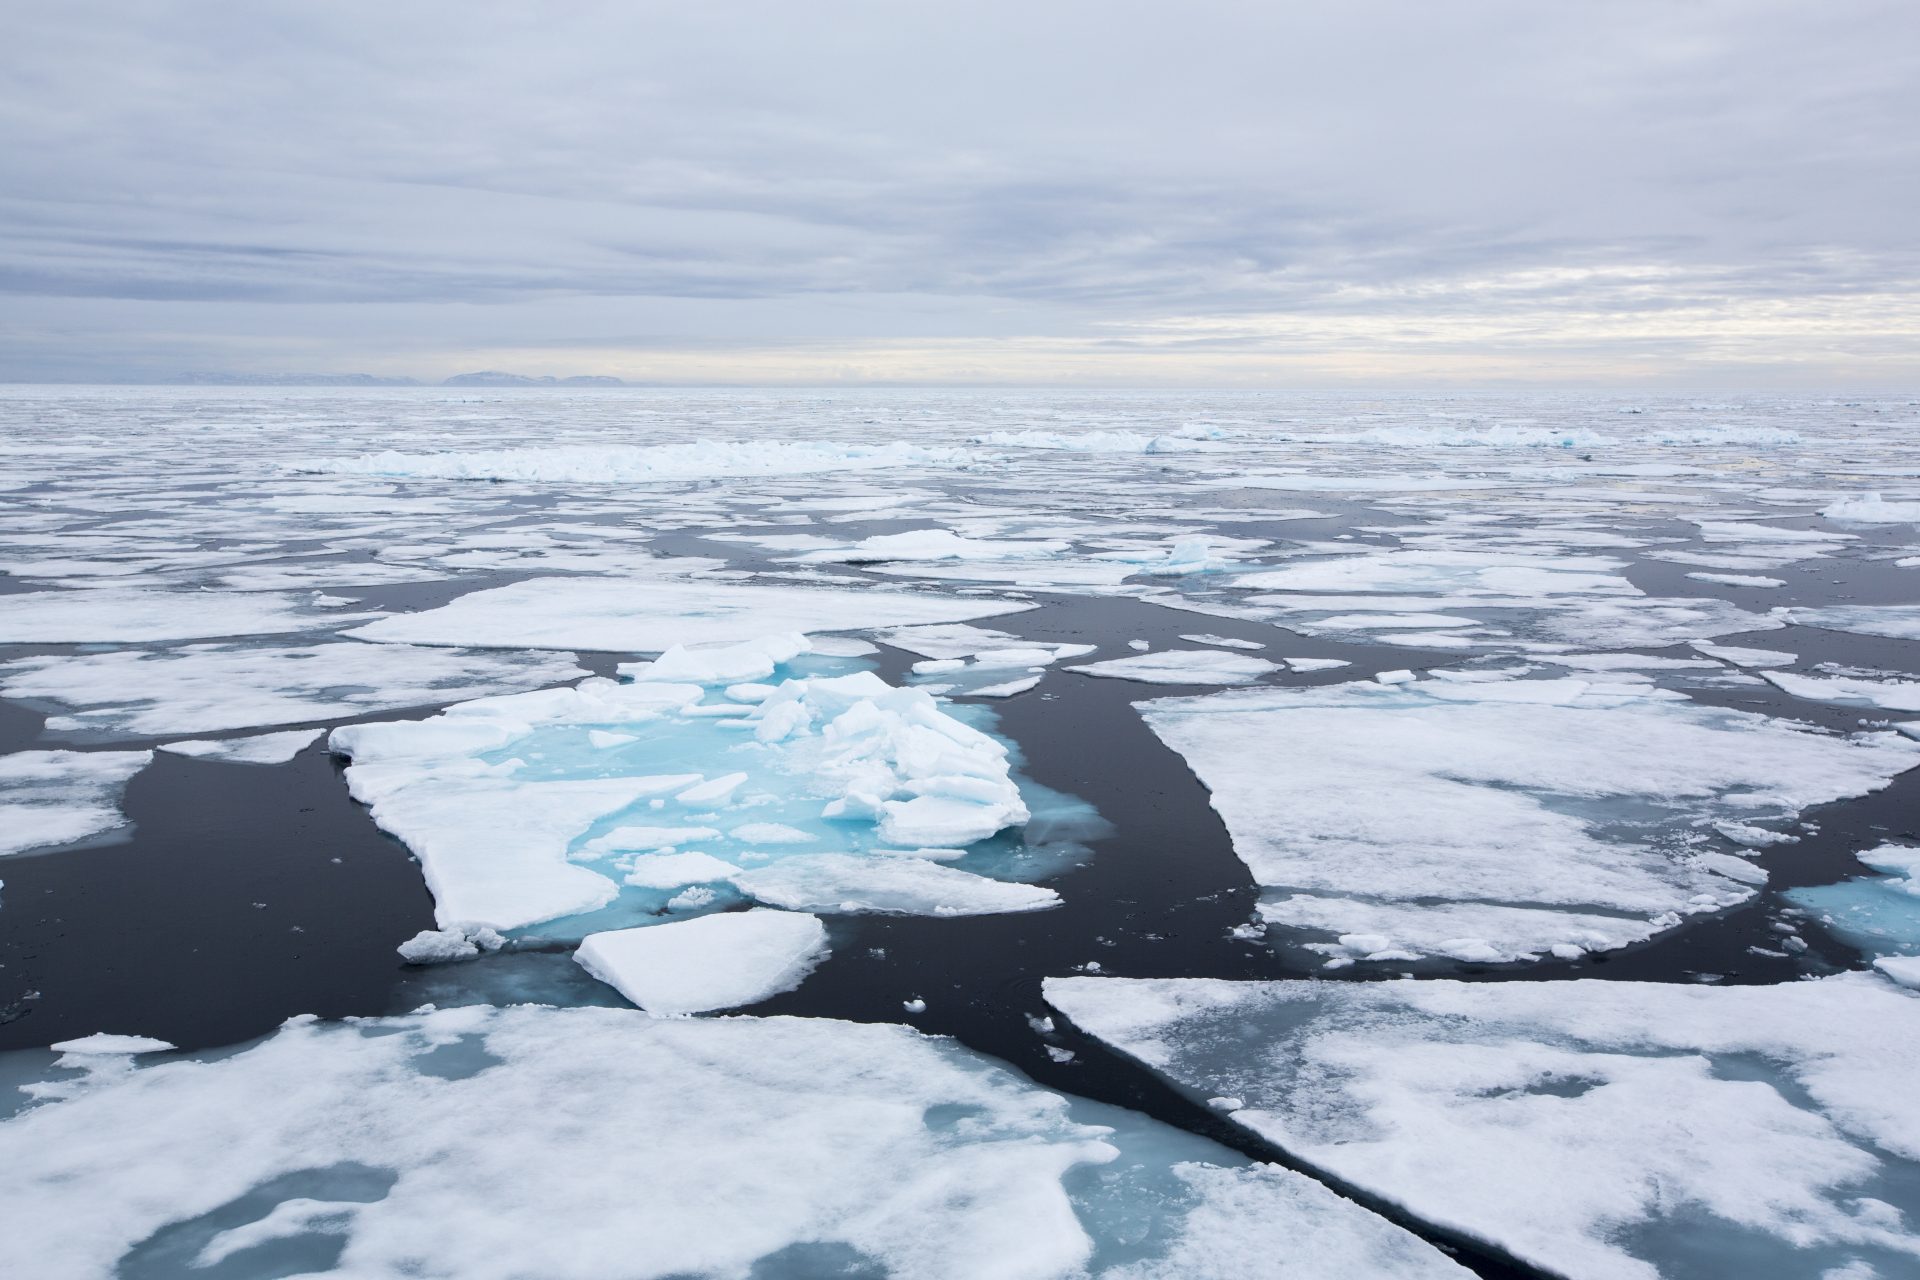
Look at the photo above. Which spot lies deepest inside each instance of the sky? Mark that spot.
(1370, 193)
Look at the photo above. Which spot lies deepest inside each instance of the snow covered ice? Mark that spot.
(1600, 1130)
(585, 1143)
(50, 798)
(1496, 820)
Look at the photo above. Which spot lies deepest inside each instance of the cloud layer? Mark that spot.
(1204, 192)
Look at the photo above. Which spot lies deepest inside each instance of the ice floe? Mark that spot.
(1182, 666)
(1560, 809)
(262, 748)
(725, 961)
(50, 798)
(1898, 621)
(519, 816)
(202, 687)
(114, 615)
(1874, 913)
(652, 616)
(1850, 691)
(1599, 1130)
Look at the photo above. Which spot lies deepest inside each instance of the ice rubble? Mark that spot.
(499, 1143)
(50, 798)
(517, 815)
(93, 615)
(1182, 666)
(649, 616)
(204, 687)
(641, 464)
(1600, 1130)
(725, 961)
(1871, 508)
(1528, 815)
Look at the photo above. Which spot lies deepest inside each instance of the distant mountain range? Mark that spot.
(484, 378)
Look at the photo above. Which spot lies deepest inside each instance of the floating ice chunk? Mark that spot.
(1749, 836)
(1899, 621)
(840, 884)
(1871, 508)
(1626, 662)
(455, 942)
(50, 798)
(1474, 932)
(724, 961)
(264, 748)
(677, 870)
(112, 615)
(1570, 797)
(640, 464)
(723, 664)
(1742, 657)
(653, 616)
(104, 1042)
(198, 688)
(1465, 573)
(1305, 665)
(1887, 695)
(1182, 666)
(714, 791)
(1006, 689)
(1224, 642)
(1737, 580)
(1394, 677)
(602, 739)
(934, 544)
(1541, 1117)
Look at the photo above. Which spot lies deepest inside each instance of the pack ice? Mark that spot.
(1498, 820)
(576, 1144)
(50, 798)
(623, 616)
(530, 807)
(1598, 1130)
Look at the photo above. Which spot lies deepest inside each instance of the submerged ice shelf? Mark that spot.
(1491, 820)
(1600, 1130)
(613, 803)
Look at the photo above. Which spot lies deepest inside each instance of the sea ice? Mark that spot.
(1871, 508)
(263, 748)
(842, 884)
(640, 464)
(1899, 621)
(50, 798)
(101, 615)
(652, 616)
(495, 1144)
(205, 687)
(1538, 797)
(1599, 1130)
(1182, 666)
(1850, 691)
(518, 816)
(725, 961)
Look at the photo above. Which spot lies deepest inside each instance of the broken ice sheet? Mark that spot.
(591, 802)
(724, 961)
(1526, 814)
(493, 1144)
(625, 616)
(114, 615)
(204, 687)
(51, 798)
(1600, 1130)
(1182, 666)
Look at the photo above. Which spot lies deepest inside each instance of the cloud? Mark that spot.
(1641, 189)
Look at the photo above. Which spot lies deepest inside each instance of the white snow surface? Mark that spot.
(496, 1144)
(651, 616)
(724, 961)
(1531, 795)
(504, 827)
(263, 748)
(100, 615)
(1592, 1128)
(50, 798)
(1182, 666)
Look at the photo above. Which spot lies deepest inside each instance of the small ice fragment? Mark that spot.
(915, 1005)
(1058, 1054)
(602, 739)
(721, 961)
(1395, 677)
(713, 791)
(103, 1042)
(1140, 645)
(455, 942)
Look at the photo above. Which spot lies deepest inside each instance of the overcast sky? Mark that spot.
(1262, 193)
